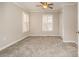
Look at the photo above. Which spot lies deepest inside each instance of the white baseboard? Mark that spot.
(70, 41)
(12, 43)
(44, 35)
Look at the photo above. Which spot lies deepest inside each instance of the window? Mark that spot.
(47, 22)
(25, 22)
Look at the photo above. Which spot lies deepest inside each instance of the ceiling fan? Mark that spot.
(45, 5)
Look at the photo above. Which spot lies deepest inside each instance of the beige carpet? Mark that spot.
(41, 47)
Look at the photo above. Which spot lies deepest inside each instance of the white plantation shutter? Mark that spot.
(25, 22)
(47, 22)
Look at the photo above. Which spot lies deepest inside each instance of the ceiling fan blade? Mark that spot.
(42, 2)
(50, 4)
(51, 7)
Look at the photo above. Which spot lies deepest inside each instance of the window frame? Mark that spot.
(46, 30)
(25, 22)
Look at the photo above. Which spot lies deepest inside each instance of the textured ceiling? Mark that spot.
(31, 6)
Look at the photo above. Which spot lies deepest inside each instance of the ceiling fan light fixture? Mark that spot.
(45, 6)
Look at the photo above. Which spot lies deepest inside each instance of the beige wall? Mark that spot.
(10, 24)
(36, 24)
(78, 29)
(69, 18)
(60, 24)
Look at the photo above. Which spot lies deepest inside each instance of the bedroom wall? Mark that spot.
(78, 30)
(61, 24)
(10, 24)
(36, 24)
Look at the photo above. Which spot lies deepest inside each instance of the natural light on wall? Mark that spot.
(25, 22)
(47, 22)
